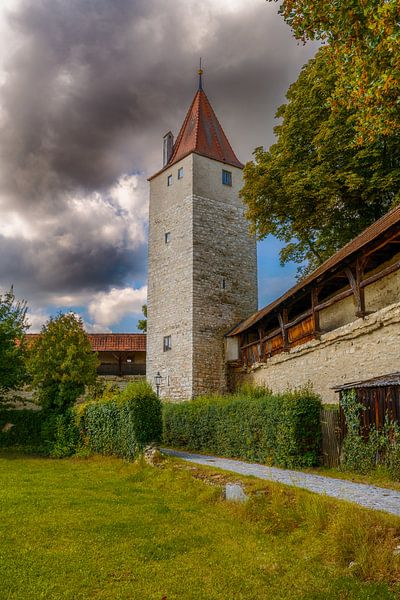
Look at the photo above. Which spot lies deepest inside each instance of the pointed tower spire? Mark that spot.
(202, 133)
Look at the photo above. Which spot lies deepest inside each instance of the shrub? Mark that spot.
(281, 429)
(121, 423)
(43, 432)
(382, 447)
(60, 434)
(25, 430)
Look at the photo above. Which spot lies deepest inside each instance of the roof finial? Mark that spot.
(200, 72)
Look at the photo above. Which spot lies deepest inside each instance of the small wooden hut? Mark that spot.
(380, 397)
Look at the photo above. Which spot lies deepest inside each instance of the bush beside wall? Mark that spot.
(121, 423)
(282, 430)
(25, 430)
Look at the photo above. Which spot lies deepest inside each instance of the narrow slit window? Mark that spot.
(167, 344)
(180, 172)
(223, 283)
(167, 237)
(226, 177)
(169, 180)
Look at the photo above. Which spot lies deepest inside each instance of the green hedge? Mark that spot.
(282, 430)
(121, 423)
(25, 430)
(43, 432)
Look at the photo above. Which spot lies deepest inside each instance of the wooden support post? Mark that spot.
(358, 293)
(120, 365)
(360, 265)
(315, 312)
(283, 319)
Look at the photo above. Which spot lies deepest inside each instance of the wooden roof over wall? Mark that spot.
(387, 225)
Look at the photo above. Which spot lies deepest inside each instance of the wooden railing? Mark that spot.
(295, 333)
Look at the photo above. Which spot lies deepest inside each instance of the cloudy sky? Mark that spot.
(87, 89)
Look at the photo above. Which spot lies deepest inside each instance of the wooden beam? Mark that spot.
(360, 265)
(334, 299)
(283, 319)
(383, 243)
(264, 339)
(387, 271)
(314, 312)
(354, 281)
(300, 318)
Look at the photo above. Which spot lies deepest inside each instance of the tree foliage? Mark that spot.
(62, 362)
(142, 323)
(363, 38)
(313, 189)
(13, 326)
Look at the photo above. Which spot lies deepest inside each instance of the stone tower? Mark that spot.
(202, 270)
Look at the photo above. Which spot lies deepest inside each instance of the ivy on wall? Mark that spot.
(381, 449)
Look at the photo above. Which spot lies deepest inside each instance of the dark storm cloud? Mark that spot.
(90, 87)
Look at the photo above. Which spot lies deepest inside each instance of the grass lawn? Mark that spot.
(105, 529)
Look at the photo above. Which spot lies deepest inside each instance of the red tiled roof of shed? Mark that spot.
(110, 342)
(128, 342)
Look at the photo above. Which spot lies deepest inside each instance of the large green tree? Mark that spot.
(313, 189)
(142, 323)
(363, 38)
(62, 362)
(13, 326)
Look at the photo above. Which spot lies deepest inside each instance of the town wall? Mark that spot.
(359, 350)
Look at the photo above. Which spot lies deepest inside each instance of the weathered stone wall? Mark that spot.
(170, 280)
(362, 349)
(203, 281)
(224, 270)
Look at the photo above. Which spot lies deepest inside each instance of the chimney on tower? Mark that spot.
(168, 144)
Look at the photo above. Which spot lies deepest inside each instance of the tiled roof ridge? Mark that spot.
(196, 132)
(222, 129)
(180, 134)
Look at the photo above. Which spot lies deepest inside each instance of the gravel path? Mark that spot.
(368, 496)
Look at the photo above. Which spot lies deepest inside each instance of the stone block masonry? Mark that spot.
(362, 349)
(203, 281)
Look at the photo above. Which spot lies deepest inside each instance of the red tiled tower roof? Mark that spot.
(202, 133)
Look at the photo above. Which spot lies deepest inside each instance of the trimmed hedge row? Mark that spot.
(282, 430)
(121, 423)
